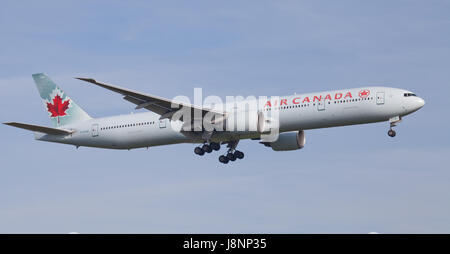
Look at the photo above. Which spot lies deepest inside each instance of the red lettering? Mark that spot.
(318, 98)
(349, 94)
(294, 100)
(306, 99)
(338, 96)
(283, 101)
(268, 104)
(328, 97)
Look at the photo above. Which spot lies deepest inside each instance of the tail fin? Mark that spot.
(61, 109)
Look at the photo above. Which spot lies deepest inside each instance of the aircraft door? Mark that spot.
(162, 123)
(94, 130)
(321, 105)
(380, 98)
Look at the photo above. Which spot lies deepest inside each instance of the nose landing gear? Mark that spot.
(391, 133)
(393, 122)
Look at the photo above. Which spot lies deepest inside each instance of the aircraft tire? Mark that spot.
(231, 157)
(199, 151)
(391, 133)
(207, 148)
(215, 146)
(239, 155)
(223, 159)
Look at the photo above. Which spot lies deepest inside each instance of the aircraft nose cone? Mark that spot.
(420, 103)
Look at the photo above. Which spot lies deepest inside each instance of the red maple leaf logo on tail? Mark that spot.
(58, 108)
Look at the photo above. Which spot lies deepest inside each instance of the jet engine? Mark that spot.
(288, 141)
(266, 123)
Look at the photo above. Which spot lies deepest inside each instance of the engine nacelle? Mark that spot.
(266, 124)
(288, 141)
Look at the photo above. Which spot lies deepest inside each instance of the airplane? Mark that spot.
(294, 114)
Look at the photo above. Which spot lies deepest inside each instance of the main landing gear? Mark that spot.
(393, 122)
(231, 155)
(207, 148)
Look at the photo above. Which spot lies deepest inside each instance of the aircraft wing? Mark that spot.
(43, 129)
(161, 106)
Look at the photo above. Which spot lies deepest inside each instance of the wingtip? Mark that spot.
(90, 80)
(13, 124)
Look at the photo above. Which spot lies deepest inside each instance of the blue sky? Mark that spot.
(347, 180)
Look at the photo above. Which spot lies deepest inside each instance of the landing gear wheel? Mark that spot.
(199, 151)
(231, 157)
(215, 146)
(239, 154)
(207, 148)
(223, 159)
(392, 133)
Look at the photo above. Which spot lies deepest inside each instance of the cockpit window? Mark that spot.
(409, 94)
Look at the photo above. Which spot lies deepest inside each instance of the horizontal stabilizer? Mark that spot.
(43, 129)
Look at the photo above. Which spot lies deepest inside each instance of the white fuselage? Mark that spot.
(296, 112)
